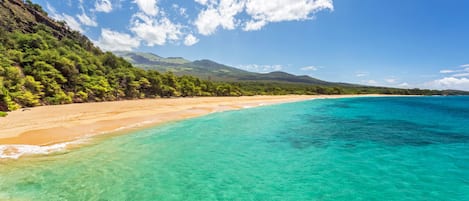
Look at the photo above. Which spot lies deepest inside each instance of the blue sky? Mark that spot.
(397, 43)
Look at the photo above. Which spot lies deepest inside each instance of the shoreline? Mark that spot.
(46, 129)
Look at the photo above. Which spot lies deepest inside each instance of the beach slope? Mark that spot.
(48, 125)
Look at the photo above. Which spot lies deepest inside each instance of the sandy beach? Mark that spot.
(49, 125)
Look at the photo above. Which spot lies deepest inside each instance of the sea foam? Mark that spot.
(15, 151)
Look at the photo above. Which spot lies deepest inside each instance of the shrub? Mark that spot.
(3, 114)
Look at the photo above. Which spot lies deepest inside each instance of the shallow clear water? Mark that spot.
(403, 148)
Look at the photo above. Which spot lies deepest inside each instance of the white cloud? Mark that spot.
(458, 72)
(103, 6)
(361, 74)
(205, 22)
(223, 13)
(152, 25)
(70, 20)
(390, 80)
(149, 7)
(220, 14)
(261, 68)
(456, 78)
(254, 25)
(310, 68)
(190, 40)
(155, 31)
(182, 11)
(203, 2)
(114, 41)
(403, 85)
(447, 71)
(86, 20)
(263, 12)
(371, 82)
(461, 74)
(449, 83)
(51, 9)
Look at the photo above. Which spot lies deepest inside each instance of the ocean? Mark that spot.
(367, 148)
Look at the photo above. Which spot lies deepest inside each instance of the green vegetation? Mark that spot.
(43, 62)
(37, 68)
(273, 88)
(3, 114)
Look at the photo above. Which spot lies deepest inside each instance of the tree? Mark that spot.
(187, 87)
(6, 104)
(156, 83)
(49, 77)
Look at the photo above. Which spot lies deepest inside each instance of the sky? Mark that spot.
(395, 43)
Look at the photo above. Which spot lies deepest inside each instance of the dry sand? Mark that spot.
(47, 125)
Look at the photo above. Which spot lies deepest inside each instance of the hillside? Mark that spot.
(210, 70)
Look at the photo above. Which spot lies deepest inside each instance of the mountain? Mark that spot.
(150, 59)
(207, 69)
(204, 69)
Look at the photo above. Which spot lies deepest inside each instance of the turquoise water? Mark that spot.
(403, 148)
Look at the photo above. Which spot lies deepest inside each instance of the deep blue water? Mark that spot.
(389, 148)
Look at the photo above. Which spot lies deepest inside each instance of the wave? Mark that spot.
(15, 151)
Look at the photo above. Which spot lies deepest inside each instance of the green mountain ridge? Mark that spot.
(150, 58)
(211, 70)
(207, 69)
